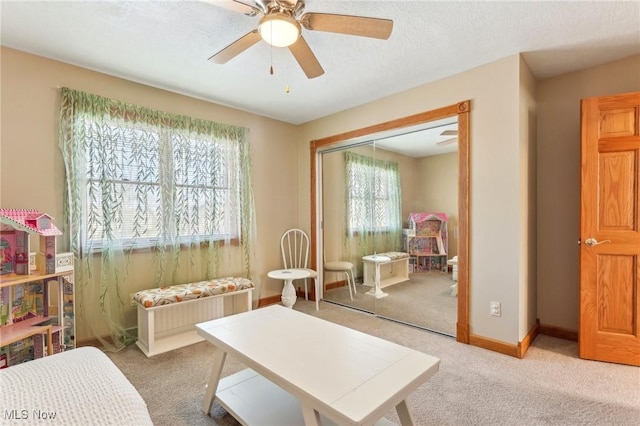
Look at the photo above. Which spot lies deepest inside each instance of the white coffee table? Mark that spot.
(305, 370)
(288, 291)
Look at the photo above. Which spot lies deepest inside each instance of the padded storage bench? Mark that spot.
(167, 315)
(393, 271)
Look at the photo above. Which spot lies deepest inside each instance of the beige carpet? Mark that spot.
(425, 301)
(550, 386)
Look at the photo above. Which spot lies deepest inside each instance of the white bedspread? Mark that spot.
(77, 387)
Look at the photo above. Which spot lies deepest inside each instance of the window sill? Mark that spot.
(147, 246)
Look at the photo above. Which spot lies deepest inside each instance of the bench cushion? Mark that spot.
(395, 255)
(181, 292)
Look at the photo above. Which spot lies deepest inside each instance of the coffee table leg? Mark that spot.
(311, 416)
(218, 361)
(403, 414)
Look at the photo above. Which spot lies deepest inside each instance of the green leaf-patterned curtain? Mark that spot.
(153, 199)
(373, 206)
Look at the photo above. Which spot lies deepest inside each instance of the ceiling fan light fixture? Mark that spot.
(279, 29)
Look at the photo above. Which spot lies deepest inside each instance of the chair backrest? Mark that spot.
(294, 246)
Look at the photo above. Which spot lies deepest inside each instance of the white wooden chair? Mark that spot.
(294, 246)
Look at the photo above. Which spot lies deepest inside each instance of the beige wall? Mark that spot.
(558, 152)
(495, 229)
(524, 201)
(32, 170)
(528, 285)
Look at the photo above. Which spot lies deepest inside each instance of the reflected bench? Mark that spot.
(393, 268)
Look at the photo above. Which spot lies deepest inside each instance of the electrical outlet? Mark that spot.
(131, 301)
(495, 309)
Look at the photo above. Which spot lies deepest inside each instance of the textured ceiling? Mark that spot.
(166, 44)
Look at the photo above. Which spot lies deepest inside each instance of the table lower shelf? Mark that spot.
(386, 282)
(254, 400)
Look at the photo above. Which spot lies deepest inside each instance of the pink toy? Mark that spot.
(24, 222)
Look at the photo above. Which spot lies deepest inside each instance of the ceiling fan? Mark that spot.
(281, 25)
(448, 141)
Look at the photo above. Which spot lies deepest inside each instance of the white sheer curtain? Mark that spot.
(153, 199)
(373, 206)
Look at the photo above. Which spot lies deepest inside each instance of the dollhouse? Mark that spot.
(27, 327)
(16, 226)
(427, 241)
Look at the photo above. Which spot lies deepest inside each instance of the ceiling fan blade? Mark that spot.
(235, 48)
(236, 6)
(447, 142)
(348, 24)
(449, 133)
(305, 57)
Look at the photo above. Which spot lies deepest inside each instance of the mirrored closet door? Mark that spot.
(395, 194)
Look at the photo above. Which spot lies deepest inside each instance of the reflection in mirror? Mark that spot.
(370, 186)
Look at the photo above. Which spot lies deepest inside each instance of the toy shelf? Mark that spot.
(27, 328)
(38, 324)
(15, 279)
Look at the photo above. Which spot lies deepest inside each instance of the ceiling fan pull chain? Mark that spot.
(271, 55)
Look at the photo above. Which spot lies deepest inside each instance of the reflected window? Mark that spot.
(373, 194)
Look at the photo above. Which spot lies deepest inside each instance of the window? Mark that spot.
(148, 183)
(373, 194)
(141, 178)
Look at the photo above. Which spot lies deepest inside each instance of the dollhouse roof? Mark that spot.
(421, 217)
(17, 218)
(36, 216)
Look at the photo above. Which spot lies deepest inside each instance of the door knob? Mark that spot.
(592, 242)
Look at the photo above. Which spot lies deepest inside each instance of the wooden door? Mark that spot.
(610, 229)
